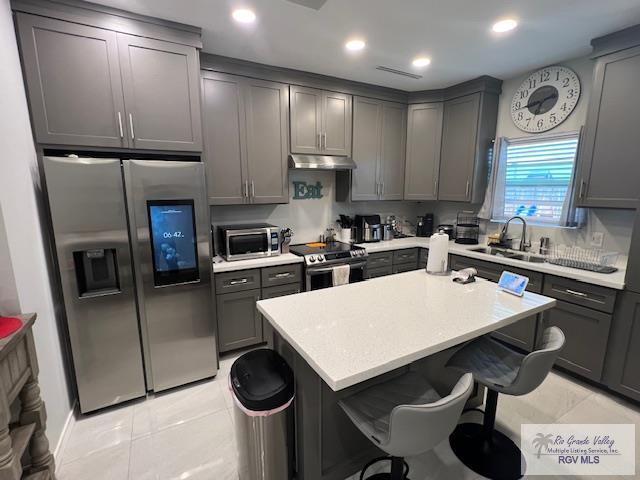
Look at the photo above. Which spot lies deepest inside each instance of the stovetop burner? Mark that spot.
(334, 252)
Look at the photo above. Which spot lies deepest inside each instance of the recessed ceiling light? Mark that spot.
(421, 61)
(244, 15)
(355, 45)
(504, 25)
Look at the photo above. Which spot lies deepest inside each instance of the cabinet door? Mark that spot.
(239, 322)
(161, 93)
(367, 126)
(459, 137)
(611, 147)
(336, 124)
(393, 148)
(424, 136)
(306, 119)
(622, 366)
(586, 333)
(266, 106)
(224, 139)
(73, 79)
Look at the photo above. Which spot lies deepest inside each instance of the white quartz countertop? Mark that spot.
(611, 280)
(221, 265)
(355, 332)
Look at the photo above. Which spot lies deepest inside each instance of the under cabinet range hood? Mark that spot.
(320, 162)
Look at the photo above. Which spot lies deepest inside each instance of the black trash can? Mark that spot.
(263, 389)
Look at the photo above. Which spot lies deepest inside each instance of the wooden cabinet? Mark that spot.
(622, 364)
(95, 87)
(422, 259)
(320, 122)
(379, 143)
(424, 137)
(239, 322)
(468, 130)
(245, 137)
(609, 168)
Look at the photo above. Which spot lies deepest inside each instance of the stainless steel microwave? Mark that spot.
(240, 242)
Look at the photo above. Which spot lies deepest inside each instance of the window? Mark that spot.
(535, 179)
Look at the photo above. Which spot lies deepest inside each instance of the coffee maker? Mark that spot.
(424, 225)
(368, 228)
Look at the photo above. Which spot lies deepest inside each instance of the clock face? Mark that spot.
(545, 99)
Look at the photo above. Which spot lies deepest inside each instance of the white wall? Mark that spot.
(310, 217)
(616, 225)
(18, 183)
(9, 302)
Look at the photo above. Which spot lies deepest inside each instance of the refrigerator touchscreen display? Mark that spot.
(173, 241)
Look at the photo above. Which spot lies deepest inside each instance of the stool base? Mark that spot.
(494, 456)
(383, 476)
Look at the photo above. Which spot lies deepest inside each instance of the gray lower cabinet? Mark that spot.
(274, 292)
(379, 271)
(622, 364)
(320, 121)
(424, 137)
(239, 322)
(608, 172)
(404, 267)
(422, 259)
(379, 148)
(95, 87)
(468, 130)
(586, 332)
(72, 74)
(245, 137)
(521, 334)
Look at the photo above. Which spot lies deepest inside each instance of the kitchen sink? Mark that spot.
(505, 253)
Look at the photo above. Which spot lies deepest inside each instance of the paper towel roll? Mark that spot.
(437, 262)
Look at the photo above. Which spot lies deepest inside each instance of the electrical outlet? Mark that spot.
(597, 239)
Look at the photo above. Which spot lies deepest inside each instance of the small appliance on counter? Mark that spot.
(448, 229)
(368, 228)
(438, 260)
(424, 225)
(241, 242)
(467, 228)
(389, 232)
(285, 239)
(346, 231)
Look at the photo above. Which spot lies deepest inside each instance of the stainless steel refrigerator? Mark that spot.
(133, 248)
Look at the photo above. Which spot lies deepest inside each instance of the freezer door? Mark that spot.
(169, 222)
(86, 200)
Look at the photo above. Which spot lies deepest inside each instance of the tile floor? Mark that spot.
(188, 433)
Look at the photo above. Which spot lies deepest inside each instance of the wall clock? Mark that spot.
(545, 99)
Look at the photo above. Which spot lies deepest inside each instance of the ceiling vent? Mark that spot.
(398, 72)
(313, 4)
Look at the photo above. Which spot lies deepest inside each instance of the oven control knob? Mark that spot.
(360, 252)
(312, 259)
(320, 258)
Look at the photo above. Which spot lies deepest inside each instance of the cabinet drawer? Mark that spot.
(281, 275)
(492, 271)
(409, 255)
(379, 272)
(377, 260)
(237, 281)
(424, 256)
(521, 334)
(584, 294)
(281, 290)
(586, 332)
(404, 267)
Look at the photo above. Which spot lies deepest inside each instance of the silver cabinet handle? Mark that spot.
(577, 294)
(324, 135)
(133, 137)
(283, 275)
(319, 141)
(382, 189)
(120, 125)
(582, 185)
(466, 190)
(245, 188)
(435, 187)
(253, 189)
(238, 282)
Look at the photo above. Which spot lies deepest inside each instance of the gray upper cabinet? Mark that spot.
(95, 87)
(424, 136)
(469, 126)
(379, 143)
(161, 92)
(245, 136)
(320, 122)
(224, 138)
(73, 79)
(611, 147)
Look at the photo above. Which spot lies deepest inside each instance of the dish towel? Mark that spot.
(341, 275)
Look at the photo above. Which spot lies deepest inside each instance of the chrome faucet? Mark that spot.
(523, 240)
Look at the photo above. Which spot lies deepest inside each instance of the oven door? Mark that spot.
(322, 277)
(247, 244)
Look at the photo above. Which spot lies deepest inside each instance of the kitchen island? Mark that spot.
(341, 340)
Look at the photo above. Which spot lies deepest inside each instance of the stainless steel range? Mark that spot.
(321, 259)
